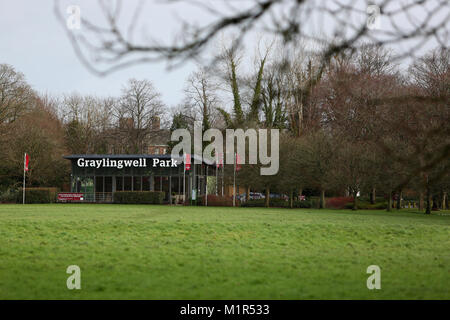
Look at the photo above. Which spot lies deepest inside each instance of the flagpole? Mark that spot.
(234, 181)
(223, 169)
(217, 176)
(206, 186)
(23, 189)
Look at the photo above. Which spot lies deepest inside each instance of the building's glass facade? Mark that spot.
(98, 184)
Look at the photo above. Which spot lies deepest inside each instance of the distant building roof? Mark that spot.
(159, 138)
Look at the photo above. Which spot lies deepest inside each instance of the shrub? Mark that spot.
(279, 203)
(338, 202)
(138, 197)
(217, 201)
(251, 203)
(9, 196)
(380, 205)
(198, 202)
(274, 202)
(366, 205)
(302, 204)
(314, 202)
(37, 195)
(349, 205)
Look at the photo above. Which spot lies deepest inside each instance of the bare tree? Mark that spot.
(88, 122)
(348, 24)
(15, 94)
(138, 110)
(201, 93)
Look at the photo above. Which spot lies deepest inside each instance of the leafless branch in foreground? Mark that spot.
(105, 48)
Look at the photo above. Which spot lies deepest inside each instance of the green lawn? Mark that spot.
(163, 252)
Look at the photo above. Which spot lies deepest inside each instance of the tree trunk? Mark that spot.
(399, 200)
(444, 200)
(300, 191)
(267, 200)
(389, 207)
(428, 209)
(420, 200)
(435, 206)
(355, 200)
(322, 199)
(373, 196)
(247, 195)
(291, 198)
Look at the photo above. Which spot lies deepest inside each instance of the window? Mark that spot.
(108, 184)
(145, 183)
(137, 183)
(119, 183)
(99, 184)
(127, 184)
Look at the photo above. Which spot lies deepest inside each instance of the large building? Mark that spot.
(98, 176)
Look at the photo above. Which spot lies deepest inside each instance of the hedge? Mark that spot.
(279, 203)
(365, 205)
(338, 202)
(217, 201)
(138, 197)
(9, 196)
(37, 195)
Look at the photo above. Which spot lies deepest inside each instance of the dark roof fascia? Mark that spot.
(131, 156)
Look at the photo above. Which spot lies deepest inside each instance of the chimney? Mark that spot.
(156, 123)
(126, 123)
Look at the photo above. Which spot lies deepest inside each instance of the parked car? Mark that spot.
(253, 196)
(279, 196)
(256, 195)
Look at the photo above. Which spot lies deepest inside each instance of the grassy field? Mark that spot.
(163, 252)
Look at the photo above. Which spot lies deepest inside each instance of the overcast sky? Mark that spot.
(34, 42)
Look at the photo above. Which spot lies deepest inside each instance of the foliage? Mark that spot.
(179, 121)
(138, 197)
(218, 201)
(278, 203)
(8, 196)
(37, 195)
(39, 133)
(239, 117)
(338, 202)
(366, 205)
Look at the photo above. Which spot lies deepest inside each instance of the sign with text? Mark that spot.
(70, 196)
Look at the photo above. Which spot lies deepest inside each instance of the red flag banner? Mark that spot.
(238, 163)
(187, 161)
(27, 160)
(219, 161)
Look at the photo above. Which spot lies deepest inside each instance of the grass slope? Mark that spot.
(163, 252)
